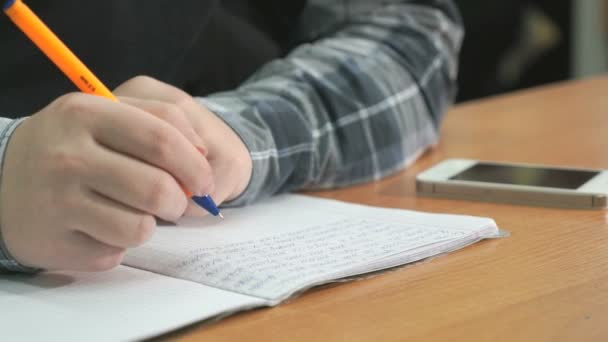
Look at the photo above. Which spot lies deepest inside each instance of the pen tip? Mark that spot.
(221, 216)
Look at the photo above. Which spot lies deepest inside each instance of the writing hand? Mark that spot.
(84, 178)
(227, 154)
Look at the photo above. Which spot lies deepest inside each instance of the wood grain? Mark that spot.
(547, 282)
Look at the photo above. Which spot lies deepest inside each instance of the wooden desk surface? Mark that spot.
(547, 282)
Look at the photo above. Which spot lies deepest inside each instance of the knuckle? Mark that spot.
(162, 144)
(108, 261)
(142, 80)
(67, 163)
(172, 113)
(180, 208)
(159, 192)
(135, 233)
(183, 100)
(143, 231)
(62, 203)
(73, 104)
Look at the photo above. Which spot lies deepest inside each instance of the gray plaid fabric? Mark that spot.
(361, 101)
(362, 97)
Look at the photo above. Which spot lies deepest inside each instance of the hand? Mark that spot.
(227, 154)
(84, 178)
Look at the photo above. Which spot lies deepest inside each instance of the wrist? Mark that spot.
(7, 261)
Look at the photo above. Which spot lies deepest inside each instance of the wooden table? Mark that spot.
(547, 282)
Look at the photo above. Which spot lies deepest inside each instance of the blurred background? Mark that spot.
(515, 44)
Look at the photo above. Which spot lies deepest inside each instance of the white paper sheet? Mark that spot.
(276, 248)
(119, 305)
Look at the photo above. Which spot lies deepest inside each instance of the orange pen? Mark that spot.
(73, 67)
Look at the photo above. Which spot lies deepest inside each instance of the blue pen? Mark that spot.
(73, 67)
(208, 204)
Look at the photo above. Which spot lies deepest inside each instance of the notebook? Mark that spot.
(205, 268)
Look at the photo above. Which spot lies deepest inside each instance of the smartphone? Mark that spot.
(526, 184)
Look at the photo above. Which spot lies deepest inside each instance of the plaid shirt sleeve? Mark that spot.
(361, 99)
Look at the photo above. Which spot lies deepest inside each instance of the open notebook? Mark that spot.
(203, 268)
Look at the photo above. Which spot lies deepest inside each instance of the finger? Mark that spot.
(80, 252)
(131, 131)
(194, 210)
(145, 87)
(148, 88)
(135, 184)
(112, 223)
(219, 196)
(169, 113)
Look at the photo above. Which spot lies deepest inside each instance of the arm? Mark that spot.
(359, 102)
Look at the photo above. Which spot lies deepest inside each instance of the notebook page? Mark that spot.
(118, 305)
(273, 249)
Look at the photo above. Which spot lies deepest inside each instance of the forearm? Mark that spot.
(354, 106)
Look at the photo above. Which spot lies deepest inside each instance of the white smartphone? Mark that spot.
(516, 183)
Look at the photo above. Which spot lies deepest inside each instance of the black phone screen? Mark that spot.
(524, 175)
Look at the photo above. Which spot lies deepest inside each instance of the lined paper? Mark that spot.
(275, 249)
